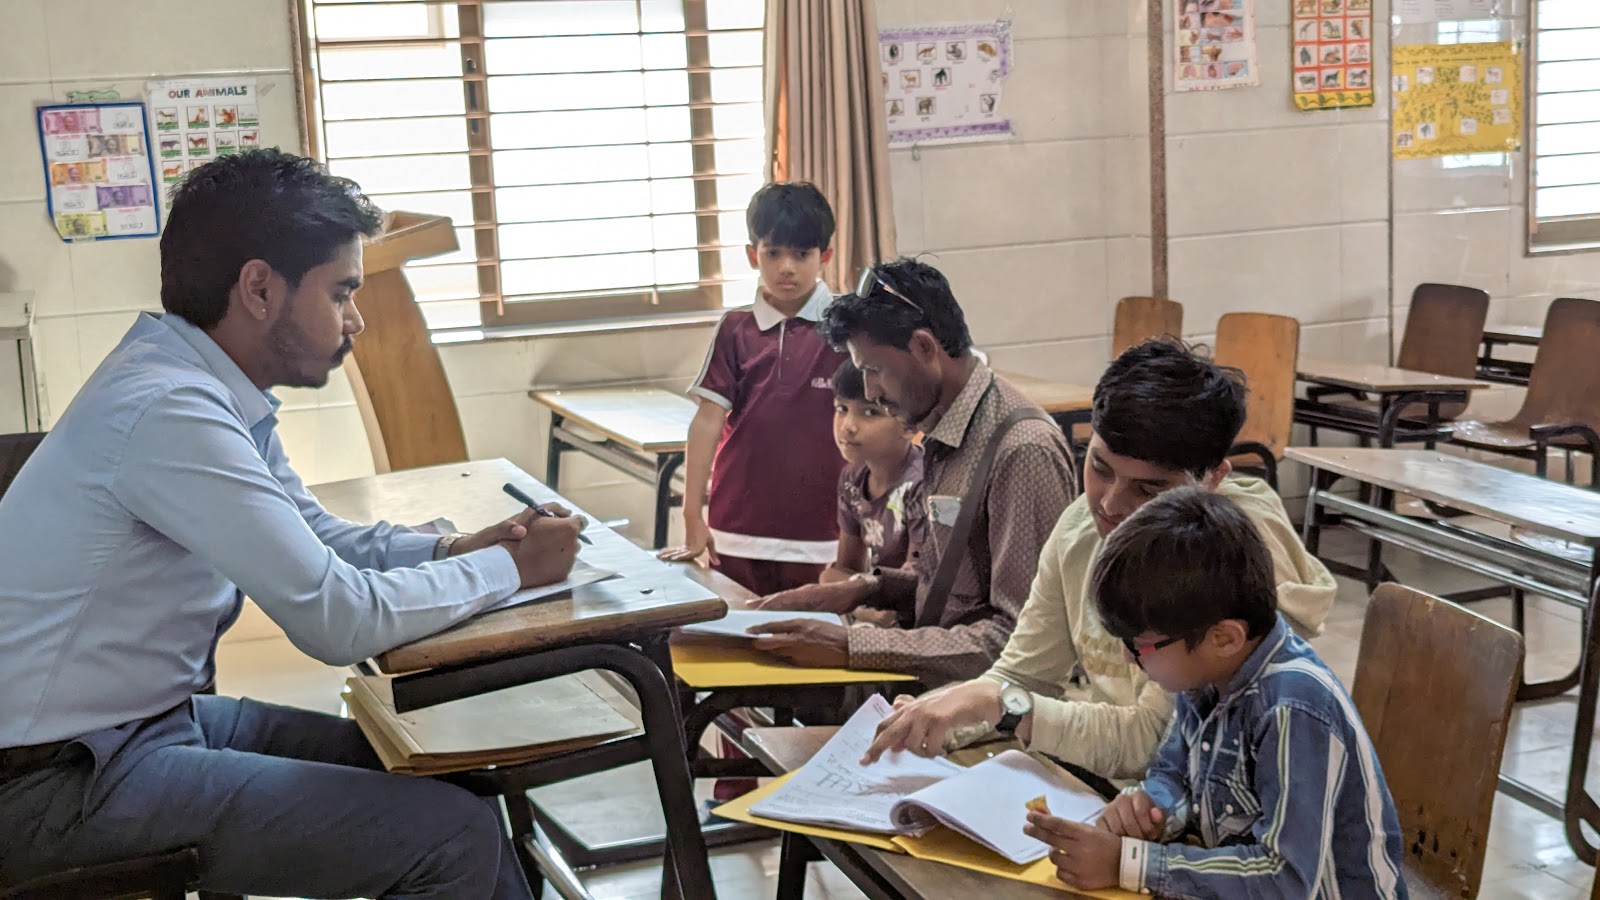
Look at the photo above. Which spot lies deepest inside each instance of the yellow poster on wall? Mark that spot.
(1457, 98)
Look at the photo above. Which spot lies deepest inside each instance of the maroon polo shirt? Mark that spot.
(775, 476)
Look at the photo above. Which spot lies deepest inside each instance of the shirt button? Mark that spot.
(1206, 745)
(1228, 809)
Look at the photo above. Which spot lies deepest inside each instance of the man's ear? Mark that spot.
(827, 255)
(925, 347)
(750, 254)
(254, 289)
(1229, 636)
(1215, 476)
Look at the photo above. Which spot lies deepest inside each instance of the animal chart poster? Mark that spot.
(98, 171)
(1332, 50)
(1216, 45)
(1457, 98)
(200, 119)
(942, 83)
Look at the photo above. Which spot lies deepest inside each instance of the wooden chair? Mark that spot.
(1562, 407)
(1139, 319)
(395, 372)
(14, 451)
(1266, 349)
(160, 876)
(1434, 686)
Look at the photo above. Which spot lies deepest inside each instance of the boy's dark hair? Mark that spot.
(259, 204)
(848, 383)
(1163, 403)
(925, 302)
(1181, 563)
(790, 214)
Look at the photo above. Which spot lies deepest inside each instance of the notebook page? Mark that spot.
(834, 788)
(582, 573)
(988, 803)
(737, 622)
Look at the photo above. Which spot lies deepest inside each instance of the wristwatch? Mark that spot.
(441, 549)
(1015, 702)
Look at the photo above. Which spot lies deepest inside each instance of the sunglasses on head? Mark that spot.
(870, 278)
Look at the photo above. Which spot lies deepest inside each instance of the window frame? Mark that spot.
(1551, 236)
(497, 310)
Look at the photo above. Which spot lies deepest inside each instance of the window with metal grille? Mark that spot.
(596, 156)
(1564, 180)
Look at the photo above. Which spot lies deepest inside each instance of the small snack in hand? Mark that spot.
(1038, 805)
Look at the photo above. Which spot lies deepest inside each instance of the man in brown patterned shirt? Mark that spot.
(907, 334)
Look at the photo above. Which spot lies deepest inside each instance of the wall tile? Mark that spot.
(1032, 18)
(1467, 247)
(27, 51)
(1293, 273)
(1224, 183)
(194, 38)
(33, 258)
(23, 178)
(1128, 268)
(993, 194)
(905, 174)
(1030, 293)
(1080, 361)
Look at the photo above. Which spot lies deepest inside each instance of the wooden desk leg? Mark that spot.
(553, 448)
(666, 466)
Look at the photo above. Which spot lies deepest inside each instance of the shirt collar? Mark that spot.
(1258, 659)
(767, 315)
(254, 403)
(951, 426)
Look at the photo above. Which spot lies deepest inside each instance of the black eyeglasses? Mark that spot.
(870, 277)
(1138, 653)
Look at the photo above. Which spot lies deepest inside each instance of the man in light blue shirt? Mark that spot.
(161, 498)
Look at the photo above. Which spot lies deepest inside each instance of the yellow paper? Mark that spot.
(942, 845)
(707, 665)
(739, 811)
(1457, 98)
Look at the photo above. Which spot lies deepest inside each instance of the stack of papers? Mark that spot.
(516, 725)
(582, 573)
(737, 623)
(907, 795)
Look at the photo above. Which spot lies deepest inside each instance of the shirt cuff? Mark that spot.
(1136, 857)
(1049, 730)
(409, 549)
(498, 567)
(868, 646)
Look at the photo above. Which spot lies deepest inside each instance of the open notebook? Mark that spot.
(737, 623)
(907, 795)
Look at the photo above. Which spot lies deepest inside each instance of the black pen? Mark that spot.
(537, 507)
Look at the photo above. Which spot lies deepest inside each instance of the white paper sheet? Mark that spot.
(738, 621)
(834, 788)
(582, 573)
(988, 803)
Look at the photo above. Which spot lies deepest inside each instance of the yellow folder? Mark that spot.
(710, 664)
(939, 845)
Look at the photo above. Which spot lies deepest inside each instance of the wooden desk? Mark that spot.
(1395, 389)
(1524, 502)
(642, 432)
(1508, 371)
(619, 625)
(879, 874)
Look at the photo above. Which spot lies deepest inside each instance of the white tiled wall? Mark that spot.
(1038, 235)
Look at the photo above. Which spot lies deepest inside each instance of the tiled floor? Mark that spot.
(1528, 855)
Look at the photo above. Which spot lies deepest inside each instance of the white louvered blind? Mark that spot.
(1565, 157)
(596, 156)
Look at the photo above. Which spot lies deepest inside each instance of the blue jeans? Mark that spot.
(281, 802)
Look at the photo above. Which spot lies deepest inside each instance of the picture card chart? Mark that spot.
(98, 172)
(1332, 50)
(1452, 99)
(200, 119)
(1216, 45)
(942, 83)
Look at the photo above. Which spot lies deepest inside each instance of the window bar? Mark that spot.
(702, 125)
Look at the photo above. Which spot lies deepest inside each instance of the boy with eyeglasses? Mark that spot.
(1268, 784)
(1164, 417)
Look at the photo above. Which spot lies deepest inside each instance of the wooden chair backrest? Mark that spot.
(1266, 348)
(1434, 685)
(1565, 384)
(14, 451)
(1443, 333)
(395, 371)
(1139, 319)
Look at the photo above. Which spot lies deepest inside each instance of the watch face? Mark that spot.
(1016, 702)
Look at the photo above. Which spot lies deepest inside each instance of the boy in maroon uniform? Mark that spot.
(763, 438)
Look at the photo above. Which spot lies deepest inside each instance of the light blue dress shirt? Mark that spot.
(160, 498)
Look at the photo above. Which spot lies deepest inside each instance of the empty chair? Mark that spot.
(1139, 319)
(1266, 348)
(1434, 685)
(1562, 407)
